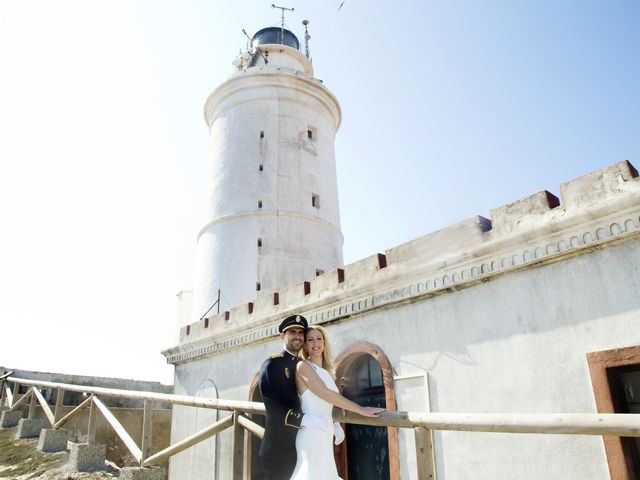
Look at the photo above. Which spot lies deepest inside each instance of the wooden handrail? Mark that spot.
(250, 426)
(8, 394)
(623, 425)
(119, 429)
(147, 429)
(229, 405)
(191, 440)
(617, 424)
(22, 399)
(72, 413)
(44, 405)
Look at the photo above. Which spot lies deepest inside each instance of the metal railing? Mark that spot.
(623, 425)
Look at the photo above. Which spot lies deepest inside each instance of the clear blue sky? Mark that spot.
(450, 108)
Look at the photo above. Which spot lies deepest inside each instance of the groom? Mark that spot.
(280, 397)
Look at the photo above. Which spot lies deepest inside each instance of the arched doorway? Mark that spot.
(365, 376)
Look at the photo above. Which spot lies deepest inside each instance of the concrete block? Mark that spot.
(596, 186)
(10, 418)
(522, 214)
(86, 457)
(29, 428)
(140, 473)
(51, 441)
(325, 283)
(452, 241)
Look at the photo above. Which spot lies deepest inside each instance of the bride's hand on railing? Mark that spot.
(370, 411)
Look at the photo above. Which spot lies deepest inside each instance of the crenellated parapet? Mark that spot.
(596, 209)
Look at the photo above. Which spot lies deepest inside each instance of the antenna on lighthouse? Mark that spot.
(282, 20)
(306, 37)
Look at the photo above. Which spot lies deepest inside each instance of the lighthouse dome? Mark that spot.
(275, 35)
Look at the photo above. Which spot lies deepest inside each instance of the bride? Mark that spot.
(318, 393)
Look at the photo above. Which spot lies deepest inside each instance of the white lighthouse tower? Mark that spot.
(271, 216)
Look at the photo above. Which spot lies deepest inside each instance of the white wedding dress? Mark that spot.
(314, 447)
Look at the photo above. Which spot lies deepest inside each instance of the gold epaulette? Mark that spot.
(277, 355)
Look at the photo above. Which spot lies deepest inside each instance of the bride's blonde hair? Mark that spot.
(327, 358)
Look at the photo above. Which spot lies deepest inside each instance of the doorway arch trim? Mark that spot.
(342, 364)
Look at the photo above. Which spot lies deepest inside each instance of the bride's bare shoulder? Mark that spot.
(304, 367)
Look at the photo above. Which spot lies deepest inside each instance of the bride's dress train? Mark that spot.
(314, 447)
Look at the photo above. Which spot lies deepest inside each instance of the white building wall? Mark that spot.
(496, 320)
(516, 344)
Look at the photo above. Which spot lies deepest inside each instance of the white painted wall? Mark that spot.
(515, 343)
(282, 101)
(497, 316)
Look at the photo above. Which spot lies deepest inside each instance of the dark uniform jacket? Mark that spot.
(282, 404)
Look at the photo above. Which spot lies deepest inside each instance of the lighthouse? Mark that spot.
(271, 215)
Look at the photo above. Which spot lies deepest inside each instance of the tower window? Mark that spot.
(259, 203)
(319, 272)
(315, 200)
(259, 242)
(311, 133)
(258, 286)
(261, 133)
(260, 167)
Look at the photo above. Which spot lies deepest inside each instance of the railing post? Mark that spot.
(57, 414)
(8, 395)
(147, 428)
(91, 427)
(238, 447)
(16, 393)
(425, 460)
(32, 405)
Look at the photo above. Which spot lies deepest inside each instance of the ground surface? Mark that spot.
(20, 460)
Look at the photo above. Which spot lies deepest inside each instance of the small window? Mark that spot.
(261, 133)
(315, 200)
(259, 203)
(311, 133)
(258, 286)
(319, 272)
(259, 242)
(260, 168)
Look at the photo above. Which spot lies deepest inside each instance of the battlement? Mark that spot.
(596, 208)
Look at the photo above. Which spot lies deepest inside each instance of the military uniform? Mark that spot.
(282, 405)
